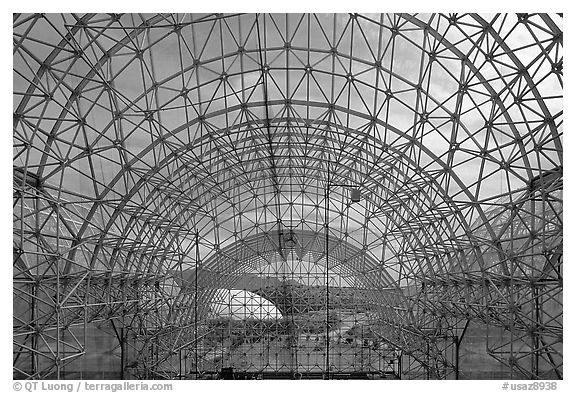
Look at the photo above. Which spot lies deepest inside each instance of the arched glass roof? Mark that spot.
(146, 144)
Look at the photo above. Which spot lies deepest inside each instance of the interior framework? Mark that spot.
(178, 175)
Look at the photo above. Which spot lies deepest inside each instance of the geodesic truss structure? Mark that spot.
(178, 175)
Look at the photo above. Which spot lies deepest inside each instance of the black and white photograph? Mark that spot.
(286, 196)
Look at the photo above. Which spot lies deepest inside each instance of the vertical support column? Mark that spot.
(34, 285)
(427, 359)
(512, 321)
(362, 347)
(121, 337)
(180, 364)
(326, 208)
(458, 341)
(85, 327)
(196, 304)
(535, 328)
(122, 353)
(457, 362)
(34, 338)
(58, 299)
(535, 333)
